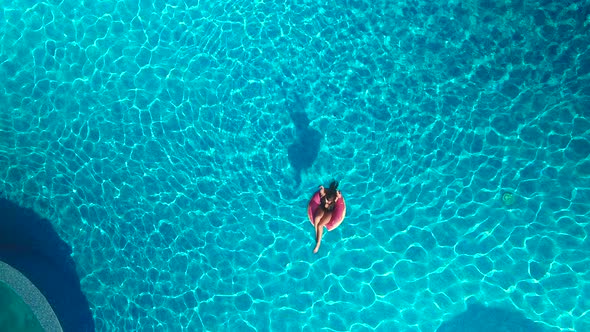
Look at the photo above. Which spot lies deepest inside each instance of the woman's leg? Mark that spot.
(320, 230)
(317, 217)
(316, 220)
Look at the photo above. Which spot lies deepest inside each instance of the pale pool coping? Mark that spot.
(22, 286)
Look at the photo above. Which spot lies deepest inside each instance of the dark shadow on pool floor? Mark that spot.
(30, 244)
(304, 150)
(479, 318)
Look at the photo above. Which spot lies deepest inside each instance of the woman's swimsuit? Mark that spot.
(330, 208)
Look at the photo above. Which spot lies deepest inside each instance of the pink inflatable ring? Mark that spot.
(337, 215)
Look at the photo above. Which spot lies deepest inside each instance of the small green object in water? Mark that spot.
(508, 198)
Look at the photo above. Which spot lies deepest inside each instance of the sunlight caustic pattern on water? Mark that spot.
(156, 136)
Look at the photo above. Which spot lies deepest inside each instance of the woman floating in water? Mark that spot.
(326, 208)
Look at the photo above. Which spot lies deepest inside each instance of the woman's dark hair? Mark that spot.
(331, 191)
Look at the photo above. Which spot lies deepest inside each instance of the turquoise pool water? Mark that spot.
(155, 135)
